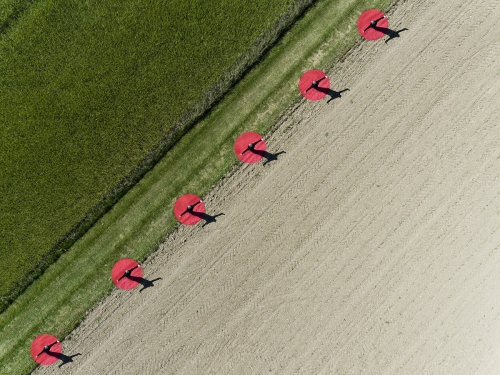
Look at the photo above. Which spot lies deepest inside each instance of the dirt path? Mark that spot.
(371, 246)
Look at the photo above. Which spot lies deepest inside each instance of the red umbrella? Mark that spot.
(46, 349)
(126, 274)
(249, 147)
(189, 209)
(314, 84)
(372, 24)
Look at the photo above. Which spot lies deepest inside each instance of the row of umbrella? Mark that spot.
(189, 209)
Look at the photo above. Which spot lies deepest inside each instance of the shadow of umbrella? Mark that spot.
(67, 358)
(394, 34)
(208, 218)
(268, 156)
(332, 93)
(144, 282)
(390, 33)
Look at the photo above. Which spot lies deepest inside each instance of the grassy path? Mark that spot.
(93, 94)
(135, 226)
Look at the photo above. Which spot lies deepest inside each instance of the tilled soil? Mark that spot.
(371, 245)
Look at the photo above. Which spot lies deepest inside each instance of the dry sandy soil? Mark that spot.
(371, 246)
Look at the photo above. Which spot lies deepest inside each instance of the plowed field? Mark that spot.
(372, 245)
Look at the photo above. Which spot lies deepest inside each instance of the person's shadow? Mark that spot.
(332, 93)
(390, 33)
(66, 358)
(144, 282)
(268, 156)
(208, 218)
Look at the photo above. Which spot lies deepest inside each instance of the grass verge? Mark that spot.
(137, 224)
(93, 93)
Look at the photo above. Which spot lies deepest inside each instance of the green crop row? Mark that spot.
(134, 227)
(92, 94)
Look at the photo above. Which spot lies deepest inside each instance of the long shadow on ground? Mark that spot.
(390, 33)
(269, 156)
(144, 282)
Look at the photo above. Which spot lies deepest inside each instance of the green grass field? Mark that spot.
(91, 95)
(139, 222)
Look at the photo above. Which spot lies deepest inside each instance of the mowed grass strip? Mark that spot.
(89, 91)
(134, 227)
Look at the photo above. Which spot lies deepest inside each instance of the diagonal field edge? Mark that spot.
(212, 95)
(139, 222)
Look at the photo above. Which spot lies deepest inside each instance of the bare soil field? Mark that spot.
(372, 245)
